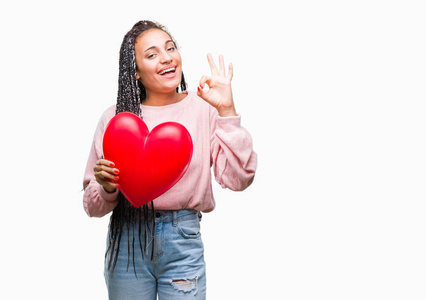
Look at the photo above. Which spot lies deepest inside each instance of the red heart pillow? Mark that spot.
(150, 163)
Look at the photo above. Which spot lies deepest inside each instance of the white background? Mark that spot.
(333, 93)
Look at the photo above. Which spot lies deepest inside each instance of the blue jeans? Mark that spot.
(177, 268)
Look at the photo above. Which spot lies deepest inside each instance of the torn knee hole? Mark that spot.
(185, 285)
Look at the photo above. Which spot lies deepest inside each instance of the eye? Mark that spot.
(172, 48)
(152, 55)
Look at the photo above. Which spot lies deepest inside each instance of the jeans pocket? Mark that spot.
(189, 229)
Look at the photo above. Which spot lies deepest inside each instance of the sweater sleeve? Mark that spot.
(232, 156)
(96, 201)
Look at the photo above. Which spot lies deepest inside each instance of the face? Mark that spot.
(158, 62)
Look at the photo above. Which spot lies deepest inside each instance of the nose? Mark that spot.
(165, 58)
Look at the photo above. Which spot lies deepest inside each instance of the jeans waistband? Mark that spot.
(166, 216)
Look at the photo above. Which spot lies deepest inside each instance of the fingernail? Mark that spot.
(118, 185)
(199, 89)
(116, 177)
(116, 171)
(111, 164)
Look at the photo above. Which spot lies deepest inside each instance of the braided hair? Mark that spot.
(131, 93)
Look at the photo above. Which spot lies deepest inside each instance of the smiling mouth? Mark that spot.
(169, 70)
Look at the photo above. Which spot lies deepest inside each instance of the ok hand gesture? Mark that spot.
(219, 94)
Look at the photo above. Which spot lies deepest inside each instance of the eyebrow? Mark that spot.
(152, 47)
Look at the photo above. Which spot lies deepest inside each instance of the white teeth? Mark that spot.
(167, 70)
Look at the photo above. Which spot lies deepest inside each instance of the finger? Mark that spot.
(105, 168)
(200, 90)
(105, 162)
(201, 93)
(105, 176)
(110, 187)
(213, 67)
(204, 79)
(221, 66)
(230, 71)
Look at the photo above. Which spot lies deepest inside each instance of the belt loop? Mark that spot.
(174, 218)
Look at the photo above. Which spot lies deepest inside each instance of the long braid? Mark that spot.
(131, 93)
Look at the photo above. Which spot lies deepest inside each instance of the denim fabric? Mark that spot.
(177, 270)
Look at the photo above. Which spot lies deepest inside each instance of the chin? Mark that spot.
(171, 88)
(176, 83)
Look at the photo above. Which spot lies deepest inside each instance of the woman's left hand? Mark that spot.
(219, 94)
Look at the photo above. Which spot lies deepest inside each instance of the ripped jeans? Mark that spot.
(176, 268)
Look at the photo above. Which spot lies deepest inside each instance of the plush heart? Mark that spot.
(150, 163)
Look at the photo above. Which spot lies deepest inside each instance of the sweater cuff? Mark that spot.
(229, 122)
(109, 197)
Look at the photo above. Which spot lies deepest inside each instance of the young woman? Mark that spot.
(157, 248)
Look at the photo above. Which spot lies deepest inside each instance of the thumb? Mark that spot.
(201, 85)
(204, 79)
(201, 93)
(205, 95)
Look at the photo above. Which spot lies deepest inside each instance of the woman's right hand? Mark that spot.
(106, 175)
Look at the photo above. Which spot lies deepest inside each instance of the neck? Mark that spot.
(162, 99)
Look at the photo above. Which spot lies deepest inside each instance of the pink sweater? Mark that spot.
(218, 142)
